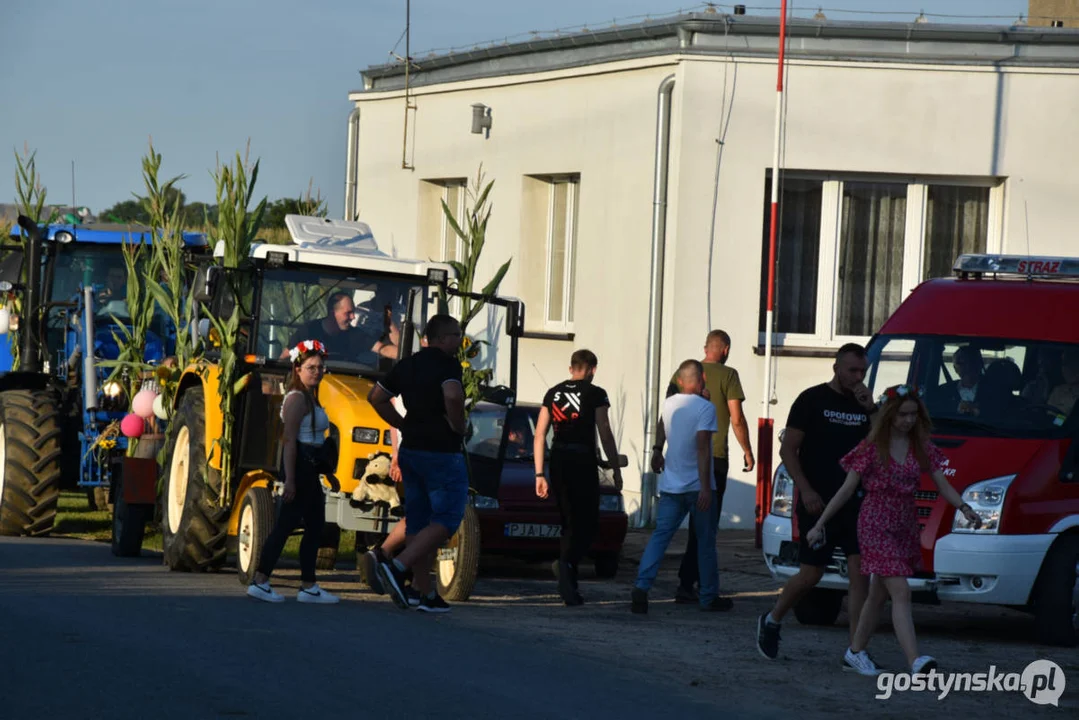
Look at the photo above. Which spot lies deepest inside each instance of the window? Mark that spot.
(453, 194)
(849, 249)
(561, 241)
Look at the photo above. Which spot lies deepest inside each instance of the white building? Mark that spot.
(904, 145)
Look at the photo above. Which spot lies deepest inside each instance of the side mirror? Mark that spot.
(11, 267)
(205, 283)
(515, 319)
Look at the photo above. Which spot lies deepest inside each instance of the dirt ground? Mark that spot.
(713, 656)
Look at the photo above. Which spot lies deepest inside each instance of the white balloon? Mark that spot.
(5, 320)
(159, 408)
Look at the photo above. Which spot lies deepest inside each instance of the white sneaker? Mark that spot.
(315, 594)
(923, 664)
(860, 662)
(264, 593)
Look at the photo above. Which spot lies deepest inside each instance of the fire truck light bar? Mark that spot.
(1025, 265)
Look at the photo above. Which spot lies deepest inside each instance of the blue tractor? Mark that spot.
(55, 407)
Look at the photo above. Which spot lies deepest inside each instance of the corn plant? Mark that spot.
(166, 286)
(473, 234)
(236, 227)
(30, 200)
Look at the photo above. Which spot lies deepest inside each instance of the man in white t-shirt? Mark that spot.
(686, 486)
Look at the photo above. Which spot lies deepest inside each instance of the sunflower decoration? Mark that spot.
(474, 380)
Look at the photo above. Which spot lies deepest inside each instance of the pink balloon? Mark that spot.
(143, 404)
(132, 426)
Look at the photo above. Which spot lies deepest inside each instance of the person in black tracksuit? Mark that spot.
(575, 408)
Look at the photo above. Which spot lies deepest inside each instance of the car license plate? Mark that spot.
(533, 530)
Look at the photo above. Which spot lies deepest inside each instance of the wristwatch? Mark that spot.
(542, 475)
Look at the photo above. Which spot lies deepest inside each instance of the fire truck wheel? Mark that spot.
(1056, 600)
(29, 462)
(606, 564)
(819, 607)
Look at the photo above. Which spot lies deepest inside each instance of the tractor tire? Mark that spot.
(364, 542)
(1055, 594)
(257, 514)
(607, 564)
(328, 546)
(458, 562)
(819, 607)
(128, 524)
(194, 529)
(30, 455)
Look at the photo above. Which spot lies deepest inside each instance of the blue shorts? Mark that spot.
(436, 489)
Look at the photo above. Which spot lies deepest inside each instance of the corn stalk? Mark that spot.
(130, 365)
(30, 200)
(166, 286)
(473, 235)
(236, 227)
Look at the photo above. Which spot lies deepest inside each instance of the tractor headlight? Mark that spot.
(987, 499)
(782, 492)
(113, 396)
(611, 503)
(366, 435)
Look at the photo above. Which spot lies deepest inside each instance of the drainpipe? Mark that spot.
(655, 292)
(351, 163)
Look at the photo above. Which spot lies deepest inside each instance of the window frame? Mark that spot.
(569, 275)
(914, 238)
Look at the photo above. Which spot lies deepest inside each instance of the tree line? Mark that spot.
(199, 214)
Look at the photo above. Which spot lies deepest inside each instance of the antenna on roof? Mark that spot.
(1026, 222)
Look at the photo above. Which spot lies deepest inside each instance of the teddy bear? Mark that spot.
(377, 487)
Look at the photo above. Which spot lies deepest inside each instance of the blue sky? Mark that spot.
(90, 82)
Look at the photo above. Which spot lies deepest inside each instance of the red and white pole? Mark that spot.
(764, 423)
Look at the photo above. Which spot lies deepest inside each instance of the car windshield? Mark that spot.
(984, 386)
(488, 424)
(357, 316)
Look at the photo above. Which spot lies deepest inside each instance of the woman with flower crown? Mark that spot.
(888, 464)
(303, 435)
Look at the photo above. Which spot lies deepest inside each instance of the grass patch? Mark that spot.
(75, 519)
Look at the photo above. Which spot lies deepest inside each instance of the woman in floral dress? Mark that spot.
(889, 464)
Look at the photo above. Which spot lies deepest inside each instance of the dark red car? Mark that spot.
(512, 520)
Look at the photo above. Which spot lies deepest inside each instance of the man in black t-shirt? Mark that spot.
(430, 457)
(825, 423)
(576, 409)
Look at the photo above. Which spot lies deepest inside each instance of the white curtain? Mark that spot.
(870, 269)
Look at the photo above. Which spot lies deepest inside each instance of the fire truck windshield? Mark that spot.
(984, 386)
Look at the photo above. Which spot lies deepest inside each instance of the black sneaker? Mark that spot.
(638, 601)
(394, 582)
(686, 596)
(433, 605)
(767, 638)
(718, 604)
(413, 596)
(370, 560)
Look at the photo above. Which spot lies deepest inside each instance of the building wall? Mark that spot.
(1004, 128)
(1043, 13)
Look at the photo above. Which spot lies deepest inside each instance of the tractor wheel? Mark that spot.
(328, 546)
(128, 523)
(256, 522)
(193, 527)
(29, 462)
(819, 607)
(458, 562)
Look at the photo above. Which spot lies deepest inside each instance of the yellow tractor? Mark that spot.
(286, 288)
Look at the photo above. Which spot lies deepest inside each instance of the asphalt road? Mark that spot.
(87, 635)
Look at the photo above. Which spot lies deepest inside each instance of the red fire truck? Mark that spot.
(995, 350)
